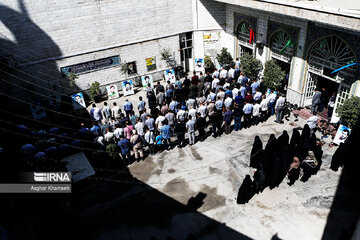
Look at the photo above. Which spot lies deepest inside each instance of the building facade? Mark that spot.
(40, 42)
(308, 42)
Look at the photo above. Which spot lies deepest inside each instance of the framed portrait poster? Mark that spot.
(127, 87)
(147, 81)
(169, 75)
(342, 134)
(132, 68)
(78, 101)
(112, 91)
(199, 64)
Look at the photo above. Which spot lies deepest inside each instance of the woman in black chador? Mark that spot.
(246, 191)
(269, 159)
(295, 139)
(256, 153)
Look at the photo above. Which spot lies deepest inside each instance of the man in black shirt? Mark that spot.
(180, 130)
(159, 88)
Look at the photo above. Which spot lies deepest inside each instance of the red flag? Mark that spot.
(252, 35)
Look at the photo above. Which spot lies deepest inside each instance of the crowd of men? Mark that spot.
(169, 115)
(184, 107)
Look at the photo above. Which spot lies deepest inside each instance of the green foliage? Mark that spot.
(250, 66)
(224, 57)
(349, 112)
(208, 62)
(94, 90)
(273, 75)
(72, 76)
(124, 68)
(167, 56)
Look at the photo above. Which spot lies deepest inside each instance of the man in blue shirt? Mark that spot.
(128, 107)
(124, 146)
(141, 106)
(227, 120)
(166, 134)
(254, 86)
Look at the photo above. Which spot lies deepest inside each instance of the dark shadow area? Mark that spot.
(345, 210)
(281, 157)
(109, 205)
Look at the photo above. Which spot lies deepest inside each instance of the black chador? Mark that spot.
(256, 153)
(246, 191)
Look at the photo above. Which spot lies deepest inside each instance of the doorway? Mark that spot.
(285, 67)
(186, 47)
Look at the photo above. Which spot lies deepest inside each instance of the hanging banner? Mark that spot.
(147, 81)
(127, 87)
(78, 101)
(169, 75)
(91, 66)
(150, 63)
(112, 92)
(199, 64)
(211, 43)
(342, 134)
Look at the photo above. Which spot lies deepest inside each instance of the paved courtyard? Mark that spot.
(210, 173)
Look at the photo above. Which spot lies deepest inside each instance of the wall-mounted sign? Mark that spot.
(91, 66)
(211, 43)
(199, 64)
(151, 63)
(132, 68)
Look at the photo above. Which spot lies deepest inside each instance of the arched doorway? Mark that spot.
(245, 38)
(326, 55)
(282, 48)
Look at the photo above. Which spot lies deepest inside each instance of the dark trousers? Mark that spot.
(141, 112)
(227, 127)
(181, 139)
(128, 113)
(272, 108)
(201, 134)
(255, 120)
(263, 116)
(151, 148)
(126, 158)
(167, 143)
(247, 120)
(216, 129)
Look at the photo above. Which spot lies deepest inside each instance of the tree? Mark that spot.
(224, 57)
(167, 56)
(94, 90)
(250, 66)
(349, 112)
(72, 76)
(209, 65)
(273, 75)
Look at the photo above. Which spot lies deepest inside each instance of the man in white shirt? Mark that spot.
(231, 72)
(202, 110)
(139, 127)
(271, 100)
(109, 136)
(118, 132)
(223, 73)
(257, 96)
(214, 83)
(264, 108)
(191, 102)
(192, 112)
(181, 114)
(228, 102)
(215, 73)
(256, 114)
(279, 108)
(235, 92)
(159, 121)
(116, 111)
